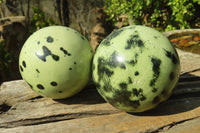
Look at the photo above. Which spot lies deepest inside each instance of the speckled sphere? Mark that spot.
(55, 62)
(135, 68)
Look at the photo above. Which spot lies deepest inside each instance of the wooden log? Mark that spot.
(191, 126)
(189, 62)
(22, 110)
(119, 122)
(86, 114)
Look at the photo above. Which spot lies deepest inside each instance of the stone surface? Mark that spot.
(120, 122)
(88, 112)
(191, 126)
(189, 61)
(181, 32)
(22, 110)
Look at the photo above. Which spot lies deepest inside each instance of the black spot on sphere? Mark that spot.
(107, 87)
(172, 75)
(156, 65)
(37, 71)
(41, 87)
(142, 98)
(49, 39)
(38, 42)
(156, 70)
(74, 62)
(135, 92)
(130, 80)
(140, 43)
(102, 69)
(60, 91)
(156, 100)
(53, 83)
(70, 68)
(21, 68)
(24, 63)
(136, 73)
(152, 82)
(171, 56)
(123, 85)
(122, 66)
(46, 52)
(29, 84)
(123, 98)
(107, 71)
(133, 62)
(65, 51)
(55, 57)
(134, 41)
(113, 61)
(156, 37)
(154, 90)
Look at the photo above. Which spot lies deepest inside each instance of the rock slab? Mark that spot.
(22, 110)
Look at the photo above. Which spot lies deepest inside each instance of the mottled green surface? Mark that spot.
(135, 68)
(56, 62)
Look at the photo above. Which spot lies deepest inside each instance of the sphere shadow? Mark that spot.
(185, 97)
(171, 107)
(89, 95)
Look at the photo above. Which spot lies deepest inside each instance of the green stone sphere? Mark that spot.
(135, 68)
(55, 62)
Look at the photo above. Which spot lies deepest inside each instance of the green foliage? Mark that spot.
(39, 21)
(5, 57)
(160, 14)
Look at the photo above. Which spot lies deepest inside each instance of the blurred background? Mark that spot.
(95, 19)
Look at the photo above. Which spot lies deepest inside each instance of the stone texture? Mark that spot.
(189, 61)
(15, 92)
(115, 122)
(191, 126)
(22, 110)
(181, 32)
